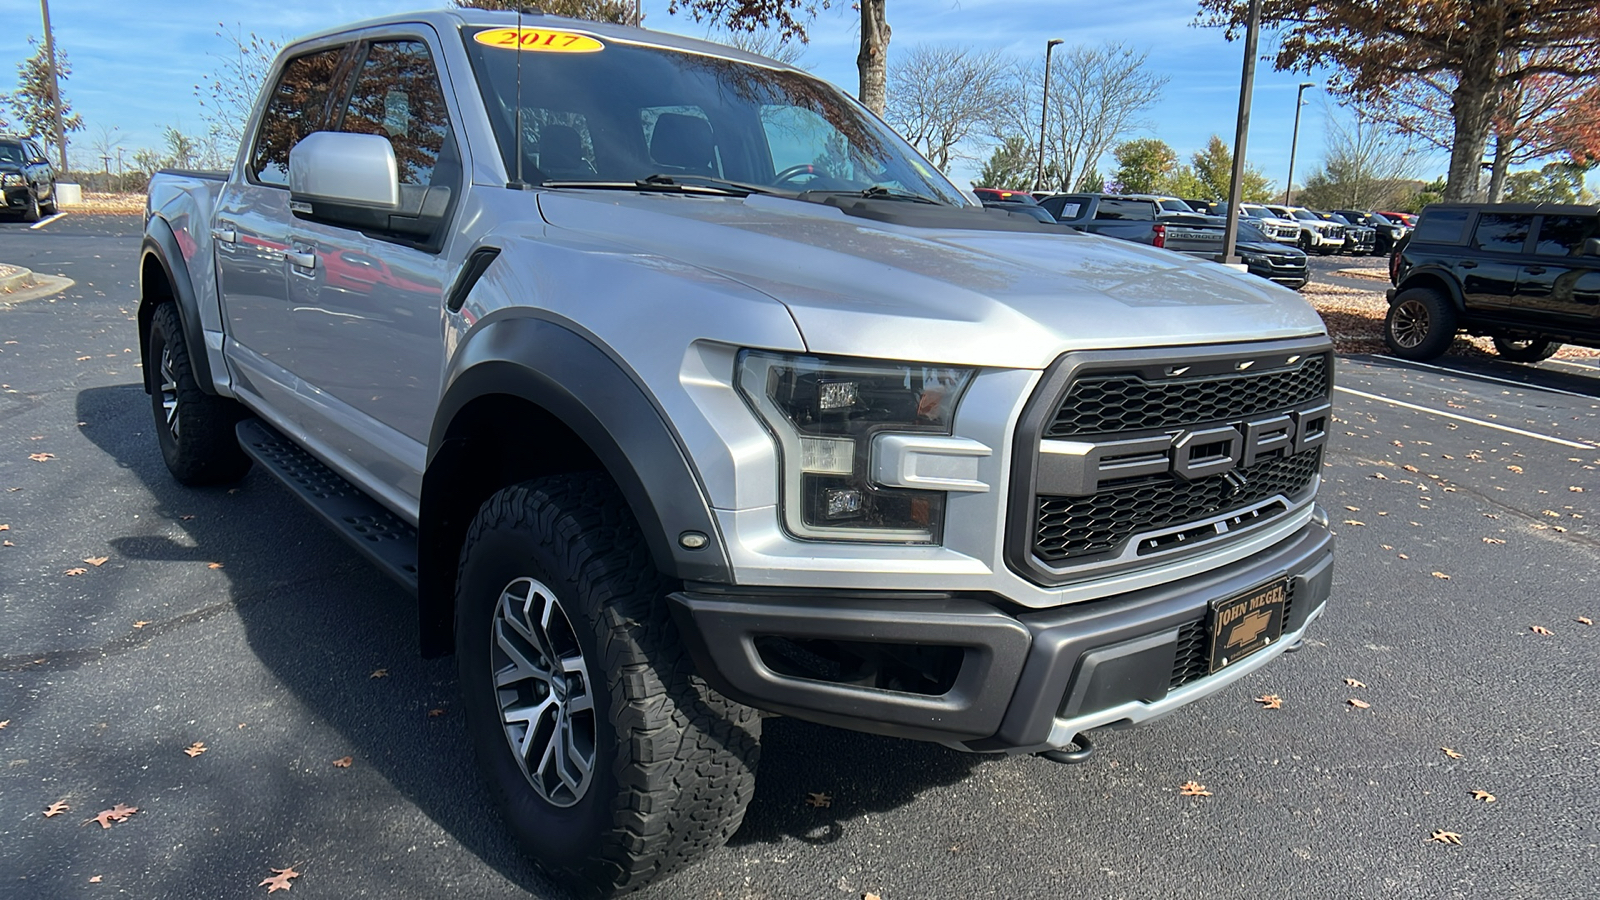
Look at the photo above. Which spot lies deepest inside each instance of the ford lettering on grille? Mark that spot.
(1082, 468)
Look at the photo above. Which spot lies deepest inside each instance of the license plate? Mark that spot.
(1242, 624)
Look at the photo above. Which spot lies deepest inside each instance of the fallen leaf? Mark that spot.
(1491, 515)
(213, 565)
(140, 624)
(1380, 476)
(1270, 701)
(1445, 837)
(1358, 703)
(1354, 683)
(195, 749)
(94, 879)
(1518, 470)
(82, 358)
(1402, 556)
(435, 713)
(343, 762)
(819, 800)
(1450, 753)
(118, 813)
(1551, 513)
(4, 722)
(870, 896)
(1441, 576)
(77, 571)
(1193, 789)
(279, 881)
(1353, 508)
(97, 561)
(1575, 489)
(56, 809)
(1489, 540)
(1410, 468)
(6, 544)
(379, 673)
(1540, 629)
(186, 518)
(1353, 522)
(1485, 796)
(41, 457)
(1584, 620)
(5, 527)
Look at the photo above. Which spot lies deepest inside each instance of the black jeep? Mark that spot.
(1526, 275)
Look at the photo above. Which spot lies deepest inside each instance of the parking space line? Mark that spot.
(1464, 374)
(46, 221)
(1439, 412)
(1568, 362)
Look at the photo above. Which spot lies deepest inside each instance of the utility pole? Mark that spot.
(55, 84)
(1044, 111)
(1230, 230)
(1294, 143)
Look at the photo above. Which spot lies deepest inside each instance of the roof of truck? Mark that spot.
(445, 20)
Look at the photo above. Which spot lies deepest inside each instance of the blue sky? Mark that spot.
(135, 64)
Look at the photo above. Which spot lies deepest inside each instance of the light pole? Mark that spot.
(1044, 111)
(55, 85)
(1247, 84)
(1294, 143)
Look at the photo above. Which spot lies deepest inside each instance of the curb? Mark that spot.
(14, 278)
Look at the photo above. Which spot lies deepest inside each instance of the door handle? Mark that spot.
(225, 235)
(303, 260)
(1535, 270)
(1468, 264)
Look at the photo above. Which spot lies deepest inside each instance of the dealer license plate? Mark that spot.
(1243, 624)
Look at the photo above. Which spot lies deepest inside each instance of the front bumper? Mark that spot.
(1010, 681)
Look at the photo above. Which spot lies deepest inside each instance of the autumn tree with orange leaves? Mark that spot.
(1478, 49)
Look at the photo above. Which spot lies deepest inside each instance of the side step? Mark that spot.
(382, 537)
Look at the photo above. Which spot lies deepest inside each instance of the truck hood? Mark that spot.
(859, 287)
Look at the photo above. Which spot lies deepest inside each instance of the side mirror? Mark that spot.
(330, 167)
(1591, 247)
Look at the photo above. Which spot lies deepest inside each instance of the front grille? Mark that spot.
(1071, 527)
(1107, 404)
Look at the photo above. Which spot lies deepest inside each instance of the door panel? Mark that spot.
(1489, 273)
(1561, 282)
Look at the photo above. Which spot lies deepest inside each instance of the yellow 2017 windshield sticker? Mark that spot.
(538, 39)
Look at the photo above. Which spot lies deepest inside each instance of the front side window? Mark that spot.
(1500, 233)
(397, 95)
(1565, 235)
(297, 107)
(622, 113)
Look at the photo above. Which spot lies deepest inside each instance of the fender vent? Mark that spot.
(472, 270)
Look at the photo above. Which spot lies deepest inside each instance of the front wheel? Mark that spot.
(30, 207)
(610, 758)
(194, 429)
(54, 206)
(1420, 325)
(1529, 350)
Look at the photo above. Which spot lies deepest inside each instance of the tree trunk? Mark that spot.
(1502, 163)
(1473, 109)
(873, 60)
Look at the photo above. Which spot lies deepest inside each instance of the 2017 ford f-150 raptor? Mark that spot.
(679, 389)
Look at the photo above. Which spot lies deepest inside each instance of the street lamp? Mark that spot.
(1044, 110)
(1294, 144)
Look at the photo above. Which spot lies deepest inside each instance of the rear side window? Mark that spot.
(1499, 233)
(1565, 235)
(397, 95)
(1063, 206)
(1140, 210)
(298, 106)
(1441, 226)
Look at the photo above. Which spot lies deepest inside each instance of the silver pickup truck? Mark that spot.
(680, 390)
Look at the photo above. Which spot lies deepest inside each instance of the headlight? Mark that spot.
(825, 414)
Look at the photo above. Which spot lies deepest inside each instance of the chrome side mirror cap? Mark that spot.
(346, 169)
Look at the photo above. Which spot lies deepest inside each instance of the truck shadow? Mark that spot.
(323, 621)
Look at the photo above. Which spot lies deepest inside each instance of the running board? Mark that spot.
(382, 537)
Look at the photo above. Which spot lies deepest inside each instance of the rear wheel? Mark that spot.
(194, 428)
(1420, 325)
(610, 758)
(1526, 350)
(54, 206)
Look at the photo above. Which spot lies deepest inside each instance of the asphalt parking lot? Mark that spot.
(1464, 500)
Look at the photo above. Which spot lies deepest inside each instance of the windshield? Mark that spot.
(1305, 215)
(1249, 234)
(623, 113)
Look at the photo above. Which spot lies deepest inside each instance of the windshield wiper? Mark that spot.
(688, 184)
(704, 181)
(884, 192)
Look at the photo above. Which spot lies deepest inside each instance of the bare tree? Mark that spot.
(939, 96)
(768, 42)
(1098, 96)
(228, 94)
(1368, 165)
(618, 11)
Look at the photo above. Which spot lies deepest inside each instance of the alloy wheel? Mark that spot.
(544, 692)
(1410, 323)
(169, 392)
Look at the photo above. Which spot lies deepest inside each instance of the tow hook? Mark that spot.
(1068, 757)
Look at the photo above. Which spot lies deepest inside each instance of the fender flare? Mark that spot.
(1452, 288)
(160, 242)
(569, 376)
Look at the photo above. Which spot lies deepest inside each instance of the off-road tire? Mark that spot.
(674, 762)
(30, 210)
(204, 450)
(1421, 324)
(1525, 351)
